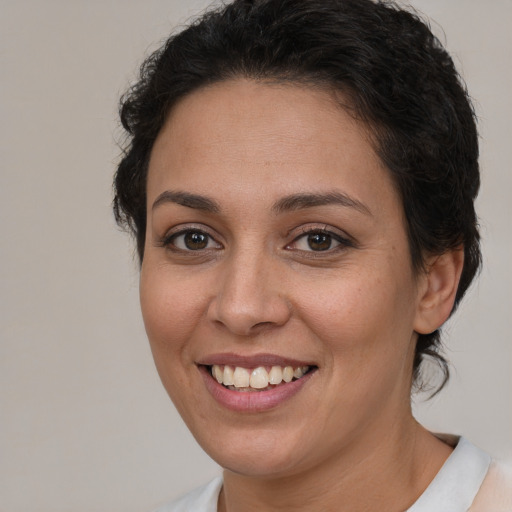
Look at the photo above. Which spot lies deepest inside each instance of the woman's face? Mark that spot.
(275, 239)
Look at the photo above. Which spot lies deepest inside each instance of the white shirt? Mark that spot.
(453, 489)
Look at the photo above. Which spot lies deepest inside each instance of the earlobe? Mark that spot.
(437, 290)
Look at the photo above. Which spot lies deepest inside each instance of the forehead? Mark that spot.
(246, 135)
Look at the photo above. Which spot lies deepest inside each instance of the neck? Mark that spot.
(377, 472)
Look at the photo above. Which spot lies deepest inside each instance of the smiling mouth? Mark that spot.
(237, 378)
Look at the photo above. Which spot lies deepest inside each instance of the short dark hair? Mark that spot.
(398, 80)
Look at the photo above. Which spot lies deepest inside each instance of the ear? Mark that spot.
(437, 289)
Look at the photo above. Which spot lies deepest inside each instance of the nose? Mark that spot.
(250, 297)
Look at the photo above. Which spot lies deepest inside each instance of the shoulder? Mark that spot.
(496, 491)
(202, 499)
(458, 482)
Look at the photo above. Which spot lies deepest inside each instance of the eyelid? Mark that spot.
(166, 240)
(343, 239)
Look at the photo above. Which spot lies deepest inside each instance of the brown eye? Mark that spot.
(319, 241)
(195, 240)
(192, 240)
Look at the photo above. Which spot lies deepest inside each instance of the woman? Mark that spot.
(300, 179)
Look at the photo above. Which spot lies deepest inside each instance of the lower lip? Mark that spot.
(252, 401)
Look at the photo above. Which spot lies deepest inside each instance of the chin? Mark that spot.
(267, 452)
(258, 463)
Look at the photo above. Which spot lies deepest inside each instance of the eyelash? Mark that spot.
(342, 242)
(169, 241)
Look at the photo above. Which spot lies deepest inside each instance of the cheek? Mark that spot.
(347, 306)
(170, 308)
(362, 319)
(171, 312)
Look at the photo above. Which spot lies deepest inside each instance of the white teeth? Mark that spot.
(241, 377)
(218, 374)
(259, 378)
(229, 379)
(288, 374)
(276, 375)
(298, 373)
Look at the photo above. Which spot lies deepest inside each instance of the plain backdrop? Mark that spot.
(84, 422)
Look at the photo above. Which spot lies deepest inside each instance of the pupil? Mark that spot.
(319, 242)
(195, 240)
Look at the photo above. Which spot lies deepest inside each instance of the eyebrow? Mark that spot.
(301, 201)
(195, 201)
(285, 204)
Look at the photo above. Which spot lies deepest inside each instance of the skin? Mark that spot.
(347, 440)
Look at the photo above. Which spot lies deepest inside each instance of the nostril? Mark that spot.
(262, 325)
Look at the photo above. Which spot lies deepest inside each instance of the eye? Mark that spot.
(319, 241)
(192, 240)
(315, 241)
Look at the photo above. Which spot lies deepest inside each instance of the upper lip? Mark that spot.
(251, 361)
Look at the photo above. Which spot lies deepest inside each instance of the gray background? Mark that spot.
(84, 422)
